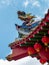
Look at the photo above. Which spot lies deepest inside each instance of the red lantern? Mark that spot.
(45, 40)
(31, 50)
(37, 47)
(44, 53)
(43, 61)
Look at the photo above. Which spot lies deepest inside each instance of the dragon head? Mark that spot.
(23, 16)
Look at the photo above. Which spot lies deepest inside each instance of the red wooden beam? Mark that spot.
(17, 53)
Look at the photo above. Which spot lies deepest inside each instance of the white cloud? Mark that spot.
(26, 3)
(36, 3)
(24, 61)
(46, 11)
(38, 18)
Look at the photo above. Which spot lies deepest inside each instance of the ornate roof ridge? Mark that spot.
(39, 27)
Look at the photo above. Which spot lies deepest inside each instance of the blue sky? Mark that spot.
(8, 18)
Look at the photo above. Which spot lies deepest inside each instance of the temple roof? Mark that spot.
(20, 52)
(24, 40)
